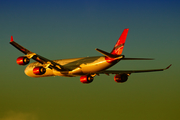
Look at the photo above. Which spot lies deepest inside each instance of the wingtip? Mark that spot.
(168, 67)
(11, 39)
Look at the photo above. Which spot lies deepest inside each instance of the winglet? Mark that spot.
(168, 67)
(11, 39)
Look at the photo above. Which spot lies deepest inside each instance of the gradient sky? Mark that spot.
(59, 29)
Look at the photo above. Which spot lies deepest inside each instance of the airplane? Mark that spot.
(85, 67)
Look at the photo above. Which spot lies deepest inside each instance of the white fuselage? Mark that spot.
(74, 66)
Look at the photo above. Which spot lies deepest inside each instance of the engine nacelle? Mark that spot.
(120, 78)
(22, 60)
(86, 79)
(39, 70)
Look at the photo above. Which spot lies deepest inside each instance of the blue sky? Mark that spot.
(67, 29)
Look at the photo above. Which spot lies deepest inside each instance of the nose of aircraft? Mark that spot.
(28, 72)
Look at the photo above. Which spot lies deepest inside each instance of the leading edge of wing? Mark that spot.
(131, 71)
(19, 47)
(46, 62)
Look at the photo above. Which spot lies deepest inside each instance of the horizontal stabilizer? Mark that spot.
(137, 59)
(106, 53)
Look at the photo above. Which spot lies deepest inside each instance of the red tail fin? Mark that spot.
(11, 39)
(118, 48)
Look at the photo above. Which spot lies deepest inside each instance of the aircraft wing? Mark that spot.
(130, 71)
(44, 61)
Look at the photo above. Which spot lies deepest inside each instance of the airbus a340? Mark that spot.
(86, 67)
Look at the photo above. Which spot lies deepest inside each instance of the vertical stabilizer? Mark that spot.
(118, 48)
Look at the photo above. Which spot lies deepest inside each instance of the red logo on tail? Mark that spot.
(118, 48)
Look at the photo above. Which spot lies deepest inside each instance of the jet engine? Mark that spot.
(120, 78)
(22, 60)
(86, 79)
(39, 70)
